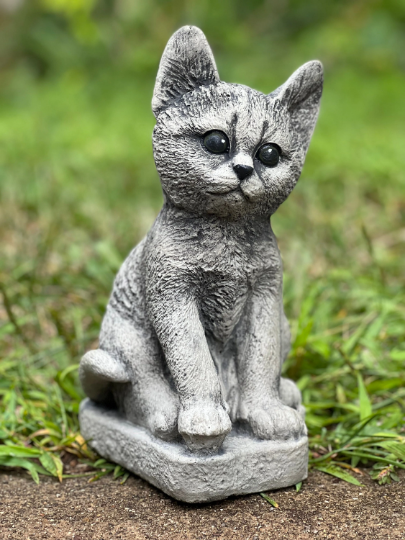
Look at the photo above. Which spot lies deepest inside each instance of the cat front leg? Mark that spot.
(259, 361)
(203, 421)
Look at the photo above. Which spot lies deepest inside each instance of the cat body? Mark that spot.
(194, 335)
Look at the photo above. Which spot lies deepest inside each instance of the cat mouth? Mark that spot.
(244, 191)
(223, 186)
(227, 192)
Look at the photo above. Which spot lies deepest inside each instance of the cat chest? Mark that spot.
(223, 297)
(222, 302)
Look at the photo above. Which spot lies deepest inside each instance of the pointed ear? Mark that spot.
(301, 95)
(186, 64)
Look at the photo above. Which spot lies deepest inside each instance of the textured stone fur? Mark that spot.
(194, 335)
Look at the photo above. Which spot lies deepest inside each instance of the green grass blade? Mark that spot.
(364, 400)
(373, 458)
(338, 473)
(269, 500)
(396, 448)
(13, 450)
(23, 463)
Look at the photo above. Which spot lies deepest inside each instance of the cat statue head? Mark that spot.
(226, 149)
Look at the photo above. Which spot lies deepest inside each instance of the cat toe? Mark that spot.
(204, 426)
(164, 425)
(277, 422)
(163, 413)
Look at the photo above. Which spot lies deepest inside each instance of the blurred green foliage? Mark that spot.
(53, 36)
(78, 188)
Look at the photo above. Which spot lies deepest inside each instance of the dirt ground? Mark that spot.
(105, 510)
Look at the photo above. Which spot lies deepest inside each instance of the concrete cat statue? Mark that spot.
(194, 335)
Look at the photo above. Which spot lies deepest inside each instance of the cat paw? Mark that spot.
(163, 425)
(276, 421)
(163, 421)
(204, 426)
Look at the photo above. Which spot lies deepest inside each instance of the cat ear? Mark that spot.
(186, 64)
(301, 94)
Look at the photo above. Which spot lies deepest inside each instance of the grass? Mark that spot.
(78, 189)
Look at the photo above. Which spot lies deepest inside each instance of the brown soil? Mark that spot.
(105, 510)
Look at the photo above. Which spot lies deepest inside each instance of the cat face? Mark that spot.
(225, 149)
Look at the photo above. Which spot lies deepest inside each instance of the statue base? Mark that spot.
(243, 465)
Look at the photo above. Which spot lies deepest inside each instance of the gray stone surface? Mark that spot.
(194, 335)
(243, 465)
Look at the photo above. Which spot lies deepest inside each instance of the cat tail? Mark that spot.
(97, 371)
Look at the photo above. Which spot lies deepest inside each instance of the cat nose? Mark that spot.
(242, 171)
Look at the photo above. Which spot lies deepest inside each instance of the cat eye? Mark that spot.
(216, 142)
(269, 154)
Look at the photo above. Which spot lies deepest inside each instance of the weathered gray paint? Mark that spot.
(194, 335)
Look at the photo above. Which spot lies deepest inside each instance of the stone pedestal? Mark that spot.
(243, 465)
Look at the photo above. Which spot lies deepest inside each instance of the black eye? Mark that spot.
(269, 154)
(216, 142)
